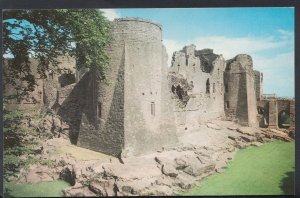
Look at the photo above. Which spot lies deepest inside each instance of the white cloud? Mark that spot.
(278, 73)
(110, 14)
(285, 34)
(282, 60)
(231, 46)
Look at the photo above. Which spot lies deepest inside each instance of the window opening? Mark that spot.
(153, 108)
(51, 74)
(207, 86)
(99, 109)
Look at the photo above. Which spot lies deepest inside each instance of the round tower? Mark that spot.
(130, 112)
(136, 30)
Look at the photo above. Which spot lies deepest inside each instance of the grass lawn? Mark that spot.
(265, 170)
(43, 189)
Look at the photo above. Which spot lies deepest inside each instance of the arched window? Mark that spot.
(99, 109)
(284, 120)
(207, 86)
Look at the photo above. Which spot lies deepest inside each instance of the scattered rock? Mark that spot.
(184, 181)
(202, 154)
(33, 123)
(56, 122)
(68, 175)
(196, 169)
(246, 139)
(246, 130)
(169, 170)
(276, 134)
(232, 128)
(231, 137)
(181, 163)
(291, 134)
(256, 144)
(213, 126)
(78, 192)
(97, 188)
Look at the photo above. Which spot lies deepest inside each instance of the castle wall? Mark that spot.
(45, 93)
(144, 103)
(146, 125)
(240, 97)
(258, 84)
(102, 125)
(292, 114)
(272, 109)
(126, 115)
(202, 71)
(273, 114)
(263, 111)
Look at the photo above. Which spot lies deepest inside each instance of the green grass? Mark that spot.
(265, 170)
(42, 189)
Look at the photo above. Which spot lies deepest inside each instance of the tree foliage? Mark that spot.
(44, 35)
(17, 143)
(47, 34)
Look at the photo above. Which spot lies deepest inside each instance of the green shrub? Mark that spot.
(19, 143)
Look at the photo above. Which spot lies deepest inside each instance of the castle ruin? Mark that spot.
(146, 103)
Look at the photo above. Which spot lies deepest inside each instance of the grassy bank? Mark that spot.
(43, 189)
(265, 170)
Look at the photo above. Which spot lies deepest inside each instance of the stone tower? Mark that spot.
(240, 96)
(130, 115)
(258, 82)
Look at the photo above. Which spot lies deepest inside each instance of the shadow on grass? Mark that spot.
(287, 183)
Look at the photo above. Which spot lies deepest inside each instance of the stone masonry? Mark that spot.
(131, 115)
(240, 97)
(196, 83)
(145, 104)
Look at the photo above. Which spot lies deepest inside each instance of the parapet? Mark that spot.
(137, 19)
(241, 62)
(136, 29)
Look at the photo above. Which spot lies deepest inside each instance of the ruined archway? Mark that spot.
(284, 119)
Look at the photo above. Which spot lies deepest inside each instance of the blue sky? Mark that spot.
(267, 34)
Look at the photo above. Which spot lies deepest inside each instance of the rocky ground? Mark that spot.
(202, 150)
